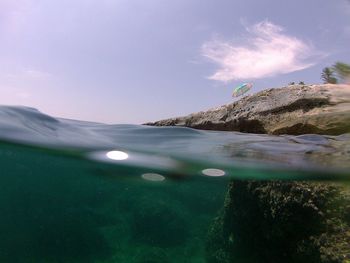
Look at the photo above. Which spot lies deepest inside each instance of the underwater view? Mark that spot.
(182, 131)
(74, 191)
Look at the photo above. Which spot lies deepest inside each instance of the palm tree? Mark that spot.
(328, 76)
(342, 70)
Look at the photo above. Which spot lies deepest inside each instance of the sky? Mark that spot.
(135, 61)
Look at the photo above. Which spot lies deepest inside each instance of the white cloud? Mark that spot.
(267, 51)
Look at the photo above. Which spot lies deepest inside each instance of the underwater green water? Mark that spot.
(84, 192)
(60, 209)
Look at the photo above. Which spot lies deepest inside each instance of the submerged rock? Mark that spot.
(296, 109)
(282, 222)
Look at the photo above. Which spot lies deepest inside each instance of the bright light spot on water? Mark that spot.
(117, 155)
(213, 172)
(153, 177)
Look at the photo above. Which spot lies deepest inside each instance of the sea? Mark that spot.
(86, 192)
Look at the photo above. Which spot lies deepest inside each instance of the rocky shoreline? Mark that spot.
(279, 221)
(295, 110)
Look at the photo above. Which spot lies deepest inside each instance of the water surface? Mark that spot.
(73, 191)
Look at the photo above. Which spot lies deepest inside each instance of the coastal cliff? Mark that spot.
(295, 109)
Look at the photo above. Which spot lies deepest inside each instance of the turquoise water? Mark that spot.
(73, 191)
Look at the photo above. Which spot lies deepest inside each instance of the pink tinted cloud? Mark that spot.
(266, 52)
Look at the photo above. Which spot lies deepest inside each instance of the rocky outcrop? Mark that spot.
(296, 109)
(275, 221)
(282, 222)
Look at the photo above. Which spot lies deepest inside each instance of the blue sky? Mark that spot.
(133, 61)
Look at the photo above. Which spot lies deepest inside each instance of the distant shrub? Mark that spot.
(328, 76)
(342, 71)
(339, 72)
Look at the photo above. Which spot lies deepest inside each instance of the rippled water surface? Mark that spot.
(73, 191)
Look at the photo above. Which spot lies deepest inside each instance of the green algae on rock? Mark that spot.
(282, 222)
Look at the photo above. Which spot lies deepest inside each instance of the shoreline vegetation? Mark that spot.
(280, 221)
